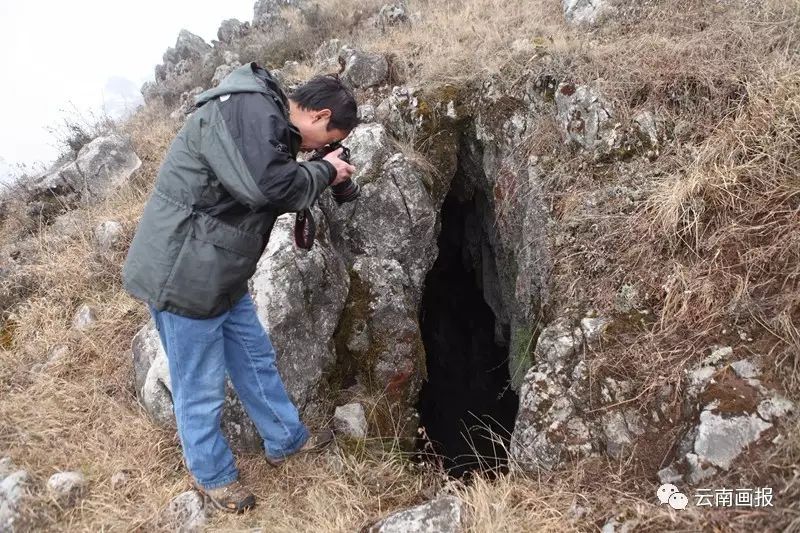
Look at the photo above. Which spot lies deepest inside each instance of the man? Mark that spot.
(228, 174)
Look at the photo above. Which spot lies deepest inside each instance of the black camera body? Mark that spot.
(348, 190)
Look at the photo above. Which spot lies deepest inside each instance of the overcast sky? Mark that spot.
(62, 58)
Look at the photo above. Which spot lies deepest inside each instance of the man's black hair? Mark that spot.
(329, 92)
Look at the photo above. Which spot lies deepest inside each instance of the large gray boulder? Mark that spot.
(154, 390)
(363, 69)
(299, 296)
(101, 167)
(442, 515)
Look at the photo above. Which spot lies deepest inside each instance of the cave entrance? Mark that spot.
(466, 406)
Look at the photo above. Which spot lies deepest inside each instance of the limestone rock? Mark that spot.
(363, 69)
(585, 117)
(102, 166)
(188, 47)
(153, 388)
(393, 15)
(66, 487)
(299, 296)
(108, 235)
(184, 513)
(350, 420)
(549, 426)
(12, 490)
(231, 30)
(580, 11)
(84, 317)
(442, 515)
(775, 408)
(721, 440)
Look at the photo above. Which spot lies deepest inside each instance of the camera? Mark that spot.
(348, 190)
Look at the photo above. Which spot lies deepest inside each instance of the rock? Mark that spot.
(188, 47)
(549, 427)
(583, 11)
(108, 235)
(67, 225)
(84, 317)
(66, 487)
(101, 167)
(299, 296)
(119, 480)
(392, 15)
(349, 420)
(231, 30)
(720, 440)
(366, 113)
(362, 69)
(620, 429)
(326, 57)
(774, 408)
(267, 12)
(153, 388)
(395, 217)
(585, 117)
(613, 525)
(593, 328)
(442, 515)
(379, 325)
(697, 470)
(627, 298)
(12, 490)
(669, 474)
(558, 342)
(184, 513)
(745, 369)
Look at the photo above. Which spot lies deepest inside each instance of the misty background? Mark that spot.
(75, 61)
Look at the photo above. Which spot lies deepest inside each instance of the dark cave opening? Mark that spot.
(466, 406)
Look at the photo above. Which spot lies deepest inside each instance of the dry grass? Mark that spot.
(714, 247)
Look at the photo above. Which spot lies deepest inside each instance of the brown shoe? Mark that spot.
(231, 498)
(318, 441)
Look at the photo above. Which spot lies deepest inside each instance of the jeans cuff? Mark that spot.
(297, 442)
(219, 482)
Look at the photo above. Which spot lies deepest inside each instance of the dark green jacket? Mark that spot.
(228, 174)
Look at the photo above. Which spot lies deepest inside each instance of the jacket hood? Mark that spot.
(249, 78)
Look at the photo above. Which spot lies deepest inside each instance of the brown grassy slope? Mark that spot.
(718, 231)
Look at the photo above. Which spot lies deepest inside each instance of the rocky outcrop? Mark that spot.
(734, 410)
(299, 296)
(101, 167)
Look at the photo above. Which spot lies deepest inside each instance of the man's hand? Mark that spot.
(343, 169)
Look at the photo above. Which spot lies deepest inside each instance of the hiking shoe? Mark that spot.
(318, 441)
(231, 498)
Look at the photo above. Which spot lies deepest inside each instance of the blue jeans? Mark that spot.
(199, 352)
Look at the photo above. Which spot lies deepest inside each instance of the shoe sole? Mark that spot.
(246, 504)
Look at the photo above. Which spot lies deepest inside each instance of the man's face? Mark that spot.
(313, 127)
